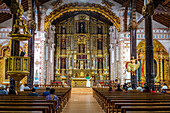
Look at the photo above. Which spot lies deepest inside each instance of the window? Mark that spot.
(162, 36)
(138, 36)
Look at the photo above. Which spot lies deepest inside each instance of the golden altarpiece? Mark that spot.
(82, 49)
(161, 63)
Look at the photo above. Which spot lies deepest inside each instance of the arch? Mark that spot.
(71, 7)
(2, 49)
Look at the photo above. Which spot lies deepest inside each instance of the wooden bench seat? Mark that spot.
(134, 101)
(119, 105)
(147, 111)
(49, 105)
(124, 109)
(43, 109)
(107, 99)
(20, 111)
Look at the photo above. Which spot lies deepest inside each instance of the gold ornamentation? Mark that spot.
(18, 68)
(159, 52)
(20, 24)
(148, 9)
(31, 24)
(82, 7)
(132, 25)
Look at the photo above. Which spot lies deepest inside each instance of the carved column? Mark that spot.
(132, 27)
(53, 52)
(31, 26)
(122, 74)
(42, 44)
(147, 12)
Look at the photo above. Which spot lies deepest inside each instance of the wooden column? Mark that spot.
(15, 45)
(133, 37)
(149, 52)
(150, 75)
(30, 78)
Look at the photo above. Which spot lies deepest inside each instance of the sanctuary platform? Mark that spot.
(82, 90)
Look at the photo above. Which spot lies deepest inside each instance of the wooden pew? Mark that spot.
(20, 111)
(124, 109)
(43, 109)
(49, 105)
(119, 105)
(107, 99)
(62, 93)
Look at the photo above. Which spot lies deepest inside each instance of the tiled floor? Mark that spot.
(82, 103)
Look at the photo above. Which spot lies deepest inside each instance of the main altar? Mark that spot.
(81, 50)
(79, 82)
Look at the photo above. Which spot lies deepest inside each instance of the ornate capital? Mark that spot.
(148, 9)
(31, 24)
(132, 25)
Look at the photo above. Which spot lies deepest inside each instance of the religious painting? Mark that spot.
(81, 27)
(100, 44)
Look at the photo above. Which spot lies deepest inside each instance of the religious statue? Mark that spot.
(132, 66)
(81, 48)
(100, 63)
(81, 65)
(99, 30)
(64, 30)
(63, 44)
(81, 27)
(63, 64)
(99, 44)
(88, 81)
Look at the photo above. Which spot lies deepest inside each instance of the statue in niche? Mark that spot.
(63, 64)
(99, 44)
(81, 65)
(100, 63)
(81, 27)
(76, 76)
(63, 44)
(81, 48)
(63, 30)
(99, 29)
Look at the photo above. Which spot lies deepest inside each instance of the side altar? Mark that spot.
(80, 82)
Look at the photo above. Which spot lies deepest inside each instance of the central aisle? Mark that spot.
(82, 103)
